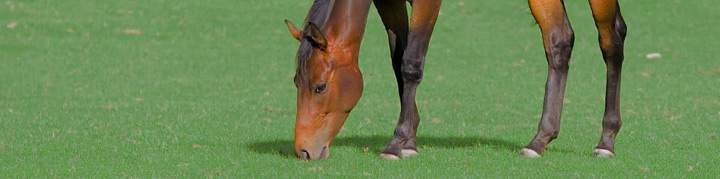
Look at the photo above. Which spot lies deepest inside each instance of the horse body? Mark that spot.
(329, 81)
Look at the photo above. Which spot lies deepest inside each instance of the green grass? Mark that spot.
(195, 89)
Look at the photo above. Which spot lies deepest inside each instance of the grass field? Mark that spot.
(191, 89)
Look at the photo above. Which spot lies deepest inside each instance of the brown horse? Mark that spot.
(329, 81)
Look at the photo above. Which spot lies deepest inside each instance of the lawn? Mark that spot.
(191, 89)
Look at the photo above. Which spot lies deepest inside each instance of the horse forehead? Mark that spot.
(320, 70)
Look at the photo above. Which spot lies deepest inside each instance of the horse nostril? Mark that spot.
(305, 154)
(324, 153)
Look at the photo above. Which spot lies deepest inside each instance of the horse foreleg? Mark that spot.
(422, 22)
(394, 17)
(558, 39)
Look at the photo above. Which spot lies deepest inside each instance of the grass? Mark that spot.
(195, 89)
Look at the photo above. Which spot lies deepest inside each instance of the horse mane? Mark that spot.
(318, 15)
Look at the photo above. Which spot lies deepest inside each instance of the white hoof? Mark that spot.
(389, 156)
(602, 153)
(525, 152)
(408, 153)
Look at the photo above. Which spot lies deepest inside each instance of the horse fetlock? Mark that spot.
(612, 122)
(554, 135)
(410, 145)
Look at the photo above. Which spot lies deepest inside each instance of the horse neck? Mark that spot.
(345, 25)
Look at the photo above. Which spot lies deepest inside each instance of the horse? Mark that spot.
(329, 82)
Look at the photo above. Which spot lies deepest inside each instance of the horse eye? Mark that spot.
(319, 88)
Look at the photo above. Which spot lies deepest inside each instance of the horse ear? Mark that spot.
(317, 36)
(294, 31)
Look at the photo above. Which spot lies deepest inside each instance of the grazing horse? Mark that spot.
(329, 83)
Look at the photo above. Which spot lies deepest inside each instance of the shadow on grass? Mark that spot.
(377, 144)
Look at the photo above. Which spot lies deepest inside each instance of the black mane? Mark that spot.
(318, 15)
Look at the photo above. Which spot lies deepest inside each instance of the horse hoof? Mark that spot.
(389, 156)
(602, 153)
(408, 153)
(529, 153)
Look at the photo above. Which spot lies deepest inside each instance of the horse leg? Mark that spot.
(394, 17)
(558, 39)
(424, 15)
(611, 29)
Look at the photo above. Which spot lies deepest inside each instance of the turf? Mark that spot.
(194, 89)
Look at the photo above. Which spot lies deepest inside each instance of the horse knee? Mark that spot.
(560, 48)
(554, 135)
(412, 70)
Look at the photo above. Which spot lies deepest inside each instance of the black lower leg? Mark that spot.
(549, 126)
(424, 15)
(613, 56)
(405, 132)
(394, 17)
(558, 48)
(611, 120)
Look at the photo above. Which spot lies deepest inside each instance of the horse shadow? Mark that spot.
(376, 144)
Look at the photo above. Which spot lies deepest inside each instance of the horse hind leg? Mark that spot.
(611, 29)
(558, 39)
(408, 64)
